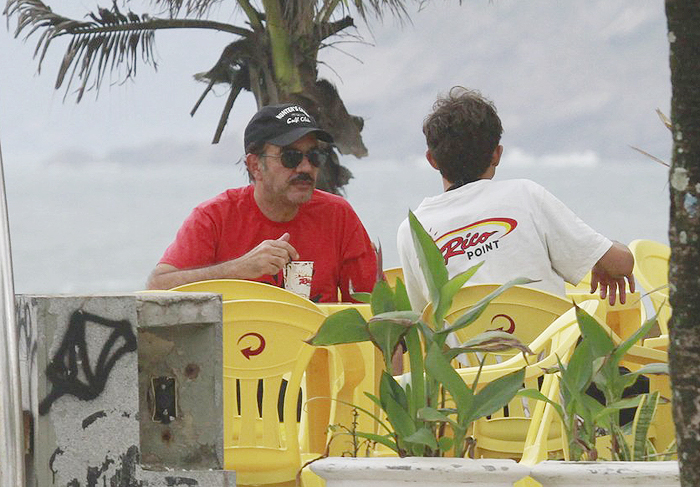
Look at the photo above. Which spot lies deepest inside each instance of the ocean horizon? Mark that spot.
(102, 227)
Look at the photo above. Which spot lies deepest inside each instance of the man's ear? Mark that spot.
(253, 163)
(496, 157)
(431, 160)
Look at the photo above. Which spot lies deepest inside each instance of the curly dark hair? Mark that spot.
(462, 133)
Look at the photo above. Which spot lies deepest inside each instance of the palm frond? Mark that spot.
(110, 40)
(196, 8)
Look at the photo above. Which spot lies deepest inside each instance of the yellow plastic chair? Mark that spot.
(651, 269)
(264, 342)
(392, 274)
(509, 433)
(662, 430)
(240, 289)
(523, 311)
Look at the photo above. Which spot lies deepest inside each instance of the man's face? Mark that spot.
(289, 186)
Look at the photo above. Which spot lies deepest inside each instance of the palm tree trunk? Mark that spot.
(683, 18)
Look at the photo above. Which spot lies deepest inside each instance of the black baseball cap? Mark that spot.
(282, 125)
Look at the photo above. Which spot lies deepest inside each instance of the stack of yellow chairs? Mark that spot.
(522, 311)
(651, 270)
(264, 332)
(503, 435)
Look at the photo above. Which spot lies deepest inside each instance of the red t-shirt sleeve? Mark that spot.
(194, 245)
(359, 259)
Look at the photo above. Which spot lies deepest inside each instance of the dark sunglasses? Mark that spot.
(291, 158)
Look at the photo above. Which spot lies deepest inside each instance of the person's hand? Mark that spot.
(267, 258)
(609, 285)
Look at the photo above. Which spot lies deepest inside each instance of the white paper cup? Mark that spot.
(297, 277)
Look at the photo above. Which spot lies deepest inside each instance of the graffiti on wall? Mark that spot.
(72, 371)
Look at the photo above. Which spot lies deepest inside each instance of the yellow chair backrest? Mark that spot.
(392, 274)
(651, 270)
(264, 342)
(231, 289)
(521, 311)
(508, 433)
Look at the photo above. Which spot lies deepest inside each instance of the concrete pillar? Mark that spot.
(122, 390)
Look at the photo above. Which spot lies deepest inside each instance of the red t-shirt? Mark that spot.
(326, 230)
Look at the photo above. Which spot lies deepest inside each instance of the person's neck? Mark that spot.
(274, 210)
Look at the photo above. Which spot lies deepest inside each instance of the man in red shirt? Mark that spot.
(253, 232)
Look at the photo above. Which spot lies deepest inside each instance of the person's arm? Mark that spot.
(267, 258)
(610, 272)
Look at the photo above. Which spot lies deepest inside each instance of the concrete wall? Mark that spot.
(122, 390)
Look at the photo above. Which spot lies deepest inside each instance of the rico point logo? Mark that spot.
(475, 239)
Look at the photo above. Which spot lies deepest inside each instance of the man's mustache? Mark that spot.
(303, 177)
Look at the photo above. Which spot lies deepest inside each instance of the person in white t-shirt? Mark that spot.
(516, 227)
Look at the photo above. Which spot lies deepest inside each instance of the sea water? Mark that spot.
(102, 227)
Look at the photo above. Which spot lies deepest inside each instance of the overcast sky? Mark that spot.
(576, 83)
(573, 82)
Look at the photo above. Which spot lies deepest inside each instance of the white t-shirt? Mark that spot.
(516, 227)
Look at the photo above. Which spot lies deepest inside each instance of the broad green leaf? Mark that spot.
(652, 369)
(475, 311)
(578, 373)
(600, 342)
(423, 436)
(389, 388)
(346, 326)
(449, 290)
(362, 297)
(431, 261)
(415, 358)
(401, 296)
(624, 454)
(382, 299)
(386, 334)
(438, 367)
(433, 415)
(445, 443)
(624, 347)
(496, 394)
(398, 417)
(379, 439)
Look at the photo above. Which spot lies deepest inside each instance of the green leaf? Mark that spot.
(389, 388)
(578, 373)
(387, 333)
(382, 299)
(600, 342)
(448, 291)
(439, 368)
(362, 297)
(445, 443)
(401, 300)
(535, 394)
(433, 415)
(379, 439)
(624, 347)
(346, 326)
(415, 358)
(399, 418)
(493, 341)
(431, 261)
(423, 436)
(642, 422)
(496, 394)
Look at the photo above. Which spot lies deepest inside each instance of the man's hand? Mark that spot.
(610, 285)
(267, 258)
